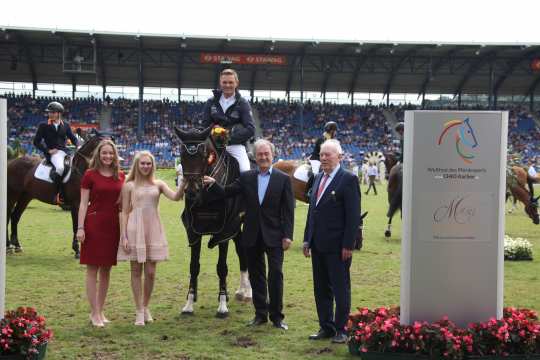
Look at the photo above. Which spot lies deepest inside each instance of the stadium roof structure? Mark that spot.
(183, 61)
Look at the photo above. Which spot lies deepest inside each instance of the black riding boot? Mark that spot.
(309, 184)
(59, 196)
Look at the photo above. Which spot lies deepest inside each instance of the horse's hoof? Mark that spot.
(248, 300)
(18, 249)
(239, 296)
(187, 313)
(77, 255)
(387, 233)
(222, 315)
(9, 250)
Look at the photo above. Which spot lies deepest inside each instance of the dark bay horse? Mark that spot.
(394, 189)
(299, 189)
(516, 182)
(221, 219)
(22, 187)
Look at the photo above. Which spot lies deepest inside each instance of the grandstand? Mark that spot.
(317, 82)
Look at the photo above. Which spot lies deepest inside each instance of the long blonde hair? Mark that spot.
(135, 172)
(96, 164)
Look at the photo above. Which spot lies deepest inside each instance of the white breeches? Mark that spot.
(240, 154)
(58, 161)
(315, 166)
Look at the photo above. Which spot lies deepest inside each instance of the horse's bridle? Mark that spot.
(192, 148)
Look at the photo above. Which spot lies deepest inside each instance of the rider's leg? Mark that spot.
(315, 166)
(57, 160)
(240, 154)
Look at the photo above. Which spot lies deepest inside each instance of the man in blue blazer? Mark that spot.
(268, 229)
(331, 227)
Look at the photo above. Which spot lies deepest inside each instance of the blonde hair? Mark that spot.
(95, 162)
(230, 72)
(135, 172)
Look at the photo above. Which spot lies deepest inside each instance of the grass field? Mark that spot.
(46, 276)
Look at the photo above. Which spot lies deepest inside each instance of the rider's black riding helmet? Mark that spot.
(330, 126)
(55, 107)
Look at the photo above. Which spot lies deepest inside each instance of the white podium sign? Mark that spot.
(452, 257)
(3, 200)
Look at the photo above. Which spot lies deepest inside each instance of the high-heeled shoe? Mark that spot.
(147, 315)
(95, 323)
(139, 318)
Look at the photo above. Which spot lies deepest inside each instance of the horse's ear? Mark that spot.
(180, 133)
(206, 132)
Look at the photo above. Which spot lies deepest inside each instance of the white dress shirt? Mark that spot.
(226, 102)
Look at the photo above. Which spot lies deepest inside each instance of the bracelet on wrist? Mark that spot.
(80, 228)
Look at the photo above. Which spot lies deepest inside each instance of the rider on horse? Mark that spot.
(228, 109)
(330, 132)
(51, 139)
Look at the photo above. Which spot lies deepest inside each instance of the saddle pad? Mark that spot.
(302, 172)
(43, 173)
(207, 219)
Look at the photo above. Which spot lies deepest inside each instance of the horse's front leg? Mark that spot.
(75, 221)
(194, 269)
(222, 270)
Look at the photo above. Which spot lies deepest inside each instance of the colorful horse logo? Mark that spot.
(464, 136)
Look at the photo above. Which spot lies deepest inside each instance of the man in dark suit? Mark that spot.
(51, 140)
(268, 228)
(331, 227)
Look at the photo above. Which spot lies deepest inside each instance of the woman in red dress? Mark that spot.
(98, 227)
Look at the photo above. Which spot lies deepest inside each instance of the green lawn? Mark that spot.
(46, 276)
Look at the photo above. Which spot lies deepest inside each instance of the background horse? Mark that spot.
(222, 218)
(395, 190)
(516, 185)
(516, 181)
(289, 167)
(22, 187)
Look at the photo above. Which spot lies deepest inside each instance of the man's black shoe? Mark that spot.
(340, 338)
(281, 325)
(257, 321)
(322, 334)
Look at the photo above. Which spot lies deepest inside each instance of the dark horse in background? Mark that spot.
(22, 187)
(221, 219)
(516, 181)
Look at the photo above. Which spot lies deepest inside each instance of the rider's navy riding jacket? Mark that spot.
(238, 113)
(54, 138)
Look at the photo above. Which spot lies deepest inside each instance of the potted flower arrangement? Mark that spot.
(24, 335)
(517, 249)
(378, 334)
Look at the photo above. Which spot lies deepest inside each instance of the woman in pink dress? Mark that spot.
(98, 228)
(142, 236)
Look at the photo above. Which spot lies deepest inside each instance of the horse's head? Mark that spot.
(467, 135)
(84, 154)
(531, 208)
(196, 154)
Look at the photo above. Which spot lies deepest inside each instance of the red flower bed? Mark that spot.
(22, 331)
(379, 330)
